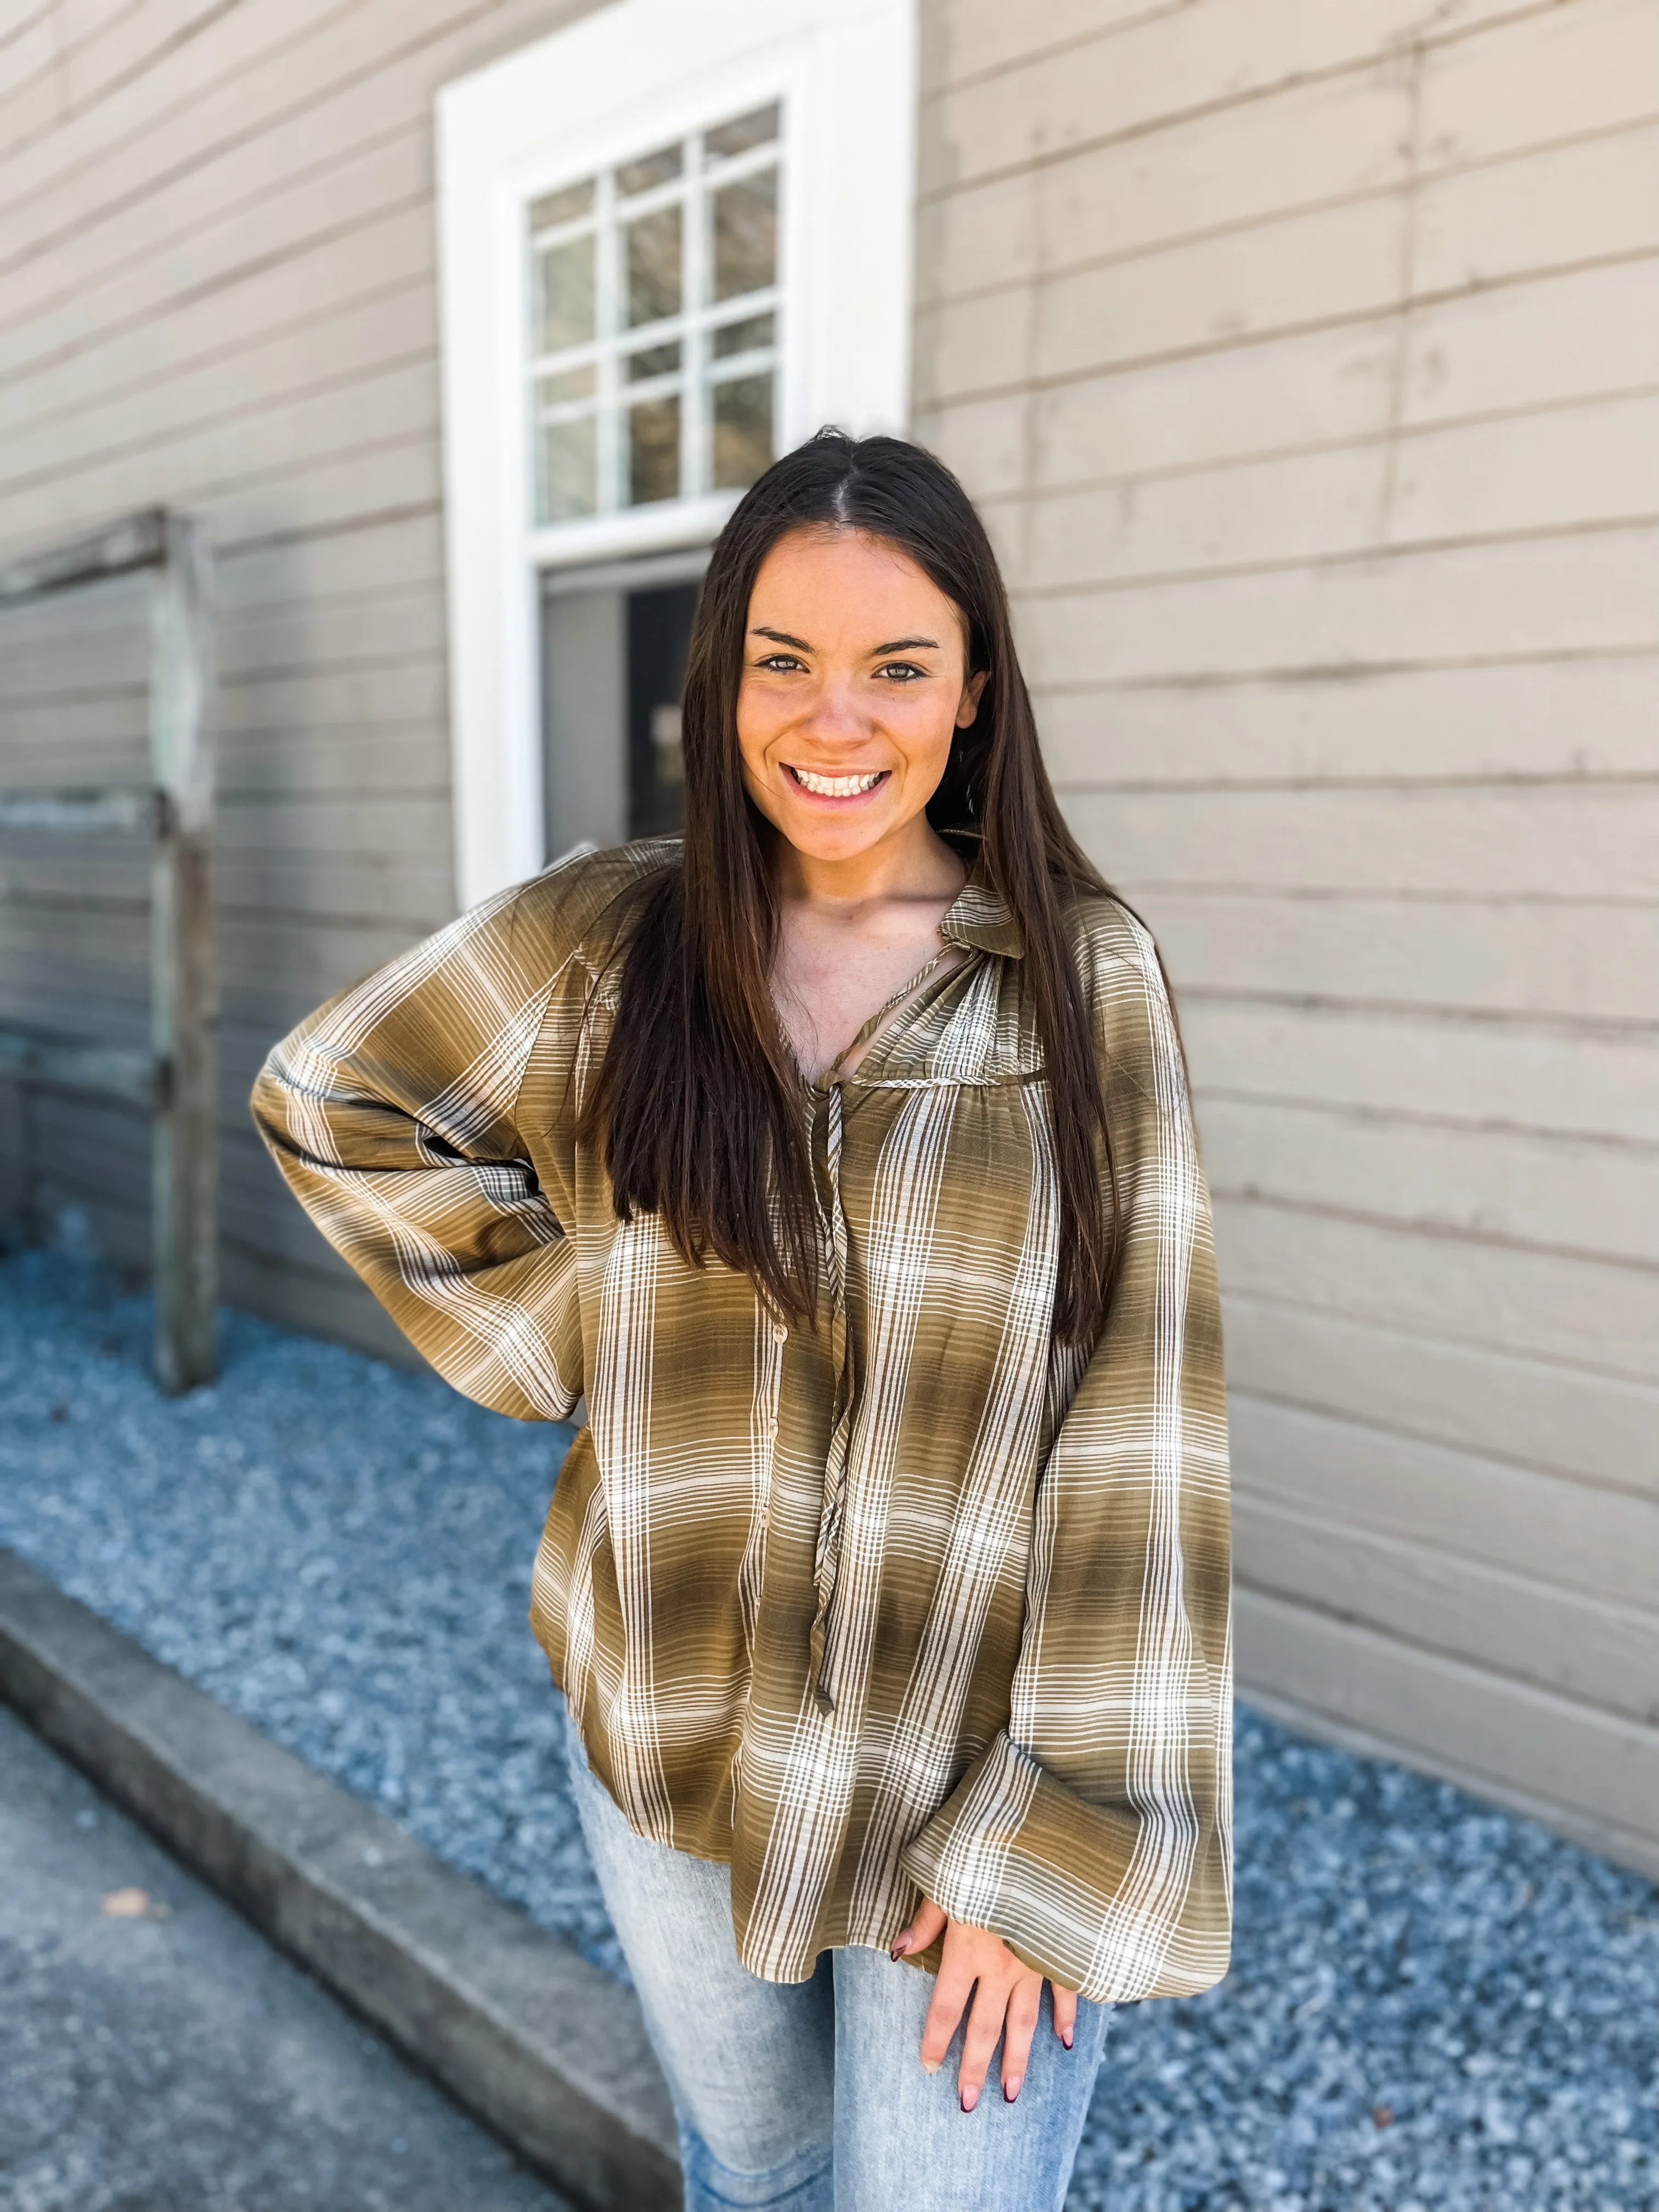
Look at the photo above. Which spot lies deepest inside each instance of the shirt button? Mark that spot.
(768, 1428)
(779, 1332)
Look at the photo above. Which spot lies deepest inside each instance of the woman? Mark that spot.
(841, 1158)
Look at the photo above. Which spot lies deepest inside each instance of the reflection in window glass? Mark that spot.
(658, 168)
(653, 360)
(653, 267)
(742, 430)
(567, 206)
(568, 470)
(758, 128)
(749, 336)
(569, 383)
(745, 224)
(653, 451)
(655, 321)
(567, 293)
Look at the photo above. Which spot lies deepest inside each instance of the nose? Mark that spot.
(836, 717)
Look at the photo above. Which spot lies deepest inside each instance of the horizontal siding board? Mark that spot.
(1588, 1314)
(264, 200)
(1585, 960)
(1308, 142)
(1564, 841)
(972, 38)
(1587, 1083)
(1551, 471)
(1582, 1647)
(1553, 718)
(300, 570)
(1595, 592)
(1171, 64)
(1547, 212)
(1555, 1192)
(1596, 1427)
(1511, 348)
(242, 307)
(1559, 209)
(1229, 403)
(293, 441)
(1596, 1541)
(127, 41)
(328, 344)
(1554, 73)
(1521, 345)
(1593, 1774)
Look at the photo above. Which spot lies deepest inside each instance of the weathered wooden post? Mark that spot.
(184, 994)
(175, 1078)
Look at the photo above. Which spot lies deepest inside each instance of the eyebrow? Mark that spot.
(877, 653)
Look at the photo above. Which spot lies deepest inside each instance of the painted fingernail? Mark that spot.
(900, 1947)
(969, 2099)
(931, 2065)
(1010, 2089)
(1066, 2037)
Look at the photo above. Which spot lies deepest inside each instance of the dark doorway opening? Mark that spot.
(659, 634)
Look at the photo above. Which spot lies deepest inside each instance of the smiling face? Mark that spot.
(854, 684)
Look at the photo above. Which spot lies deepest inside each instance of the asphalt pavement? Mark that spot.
(157, 2056)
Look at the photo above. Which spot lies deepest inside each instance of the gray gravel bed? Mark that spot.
(1434, 2007)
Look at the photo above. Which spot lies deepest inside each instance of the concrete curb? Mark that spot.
(544, 2048)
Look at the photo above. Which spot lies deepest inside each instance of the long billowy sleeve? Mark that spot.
(391, 1113)
(1094, 1833)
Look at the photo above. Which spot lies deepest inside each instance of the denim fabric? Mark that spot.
(810, 2096)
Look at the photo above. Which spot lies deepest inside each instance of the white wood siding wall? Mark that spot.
(1306, 359)
(217, 290)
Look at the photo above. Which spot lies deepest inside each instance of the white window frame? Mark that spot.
(612, 85)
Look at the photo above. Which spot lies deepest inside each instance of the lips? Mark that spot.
(837, 786)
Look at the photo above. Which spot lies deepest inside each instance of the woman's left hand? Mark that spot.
(1006, 1999)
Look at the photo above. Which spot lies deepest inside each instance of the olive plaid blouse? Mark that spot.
(912, 1600)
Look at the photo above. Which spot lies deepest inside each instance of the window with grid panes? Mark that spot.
(655, 305)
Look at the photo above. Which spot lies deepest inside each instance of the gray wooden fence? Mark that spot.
(175, 1078)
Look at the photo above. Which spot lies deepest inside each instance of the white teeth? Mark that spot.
(837, 786)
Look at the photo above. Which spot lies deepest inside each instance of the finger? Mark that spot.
(1064, 2014)
(928, 1925)
(978, 2045)
(1025, 2004)
(951, 1990)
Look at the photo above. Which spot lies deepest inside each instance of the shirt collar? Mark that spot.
(979, 917)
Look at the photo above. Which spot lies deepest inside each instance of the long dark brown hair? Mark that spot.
(698, 1104)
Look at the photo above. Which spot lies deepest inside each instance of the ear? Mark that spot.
(967, 705)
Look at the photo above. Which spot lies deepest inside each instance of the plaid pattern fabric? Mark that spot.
(908, 1601)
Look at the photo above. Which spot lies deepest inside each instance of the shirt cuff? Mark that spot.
(1088, 1895)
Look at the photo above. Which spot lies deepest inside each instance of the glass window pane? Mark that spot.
(653, 360)
(567, 474)
(754, 129)
(565, 290)
(746, 235)
(654, 266)
(569, 383)
(742, 412)
(653, 450)
(561, 206)
(755, 330)
(650, 169)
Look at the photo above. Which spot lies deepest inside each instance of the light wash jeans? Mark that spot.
(811, 2095)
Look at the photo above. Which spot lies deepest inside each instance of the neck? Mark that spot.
(915, 863)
